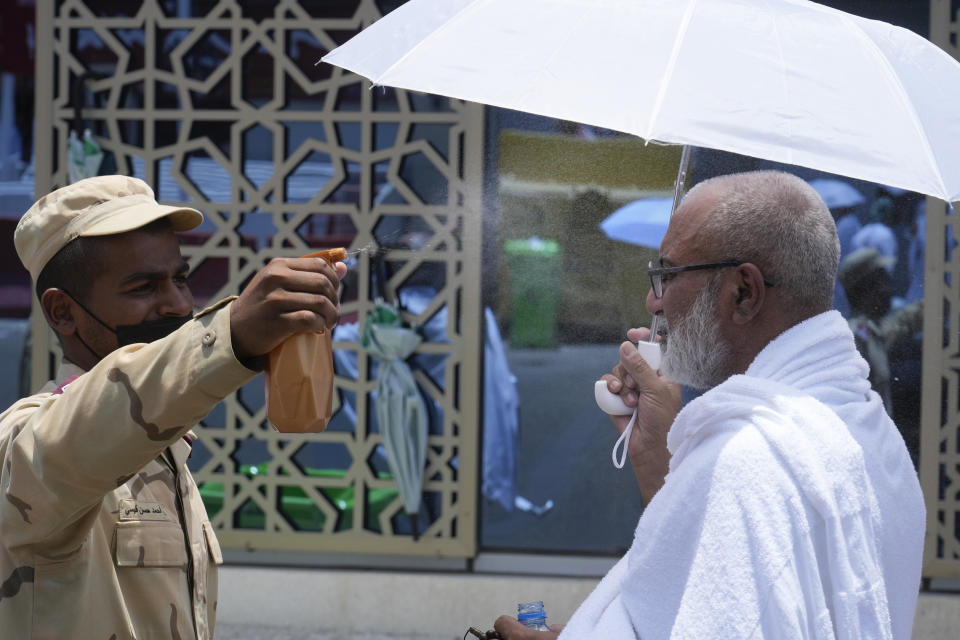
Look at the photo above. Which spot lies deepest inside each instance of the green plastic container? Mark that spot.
(535, 279)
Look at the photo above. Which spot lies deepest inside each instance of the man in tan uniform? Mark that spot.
(102, 531)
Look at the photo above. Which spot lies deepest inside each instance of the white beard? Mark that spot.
(695, 354)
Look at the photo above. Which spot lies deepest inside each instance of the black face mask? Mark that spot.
(146, 331)
(150, 330)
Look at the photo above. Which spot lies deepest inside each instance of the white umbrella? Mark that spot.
(785, 80)
(837, 194)
(641, 222)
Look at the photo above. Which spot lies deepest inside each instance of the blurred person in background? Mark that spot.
(877, 329)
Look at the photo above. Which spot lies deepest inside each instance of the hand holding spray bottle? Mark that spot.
(299, 375)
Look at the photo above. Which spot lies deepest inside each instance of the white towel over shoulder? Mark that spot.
(791, 510)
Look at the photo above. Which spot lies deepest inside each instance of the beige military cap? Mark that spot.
(860, 265)
(99, 206)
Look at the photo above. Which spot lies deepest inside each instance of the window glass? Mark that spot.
(569, 283)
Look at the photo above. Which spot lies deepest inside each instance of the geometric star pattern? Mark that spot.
(225, 110)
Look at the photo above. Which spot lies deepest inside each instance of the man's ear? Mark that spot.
(751, 293)
(58, 307)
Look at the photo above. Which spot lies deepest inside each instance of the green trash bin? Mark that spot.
(535, 271)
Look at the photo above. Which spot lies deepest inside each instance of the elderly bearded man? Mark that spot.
(782, 503)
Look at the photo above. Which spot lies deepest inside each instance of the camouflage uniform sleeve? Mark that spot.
(61, 453)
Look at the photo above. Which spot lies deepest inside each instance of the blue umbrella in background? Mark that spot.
(644, 222)
(641, 222)
(837, 193)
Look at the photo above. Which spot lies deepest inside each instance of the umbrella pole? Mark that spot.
(678, 186)
(414, 525)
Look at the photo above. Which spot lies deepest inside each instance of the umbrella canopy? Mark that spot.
(401, 411)
(785, 80)
(641, 222)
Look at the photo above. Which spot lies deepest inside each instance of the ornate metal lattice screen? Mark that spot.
(219, 105)
(940, 417)
(940, 409)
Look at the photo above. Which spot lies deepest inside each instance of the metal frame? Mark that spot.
(939, 417)
(457, 221)
(454, 222)
(940, 413)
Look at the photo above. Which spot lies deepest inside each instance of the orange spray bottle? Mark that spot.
(299, 375)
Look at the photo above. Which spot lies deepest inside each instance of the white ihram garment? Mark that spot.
(791, 510)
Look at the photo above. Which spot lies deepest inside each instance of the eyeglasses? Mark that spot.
(658, 274)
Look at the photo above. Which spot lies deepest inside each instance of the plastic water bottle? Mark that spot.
(532, 615)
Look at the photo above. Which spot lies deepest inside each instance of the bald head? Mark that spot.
(779, 223)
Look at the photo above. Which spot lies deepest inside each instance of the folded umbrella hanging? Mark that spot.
(790, 81)
(84, 156)
(400, 409)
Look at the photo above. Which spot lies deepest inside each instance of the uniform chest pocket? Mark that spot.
(212, 544)
(150, 544)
